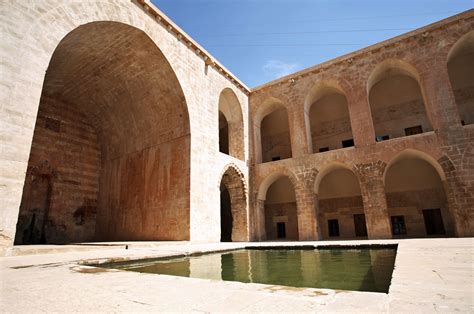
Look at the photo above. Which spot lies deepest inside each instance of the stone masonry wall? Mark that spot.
(62, 181)
(283, 212)
(29, 43)
(422, 55)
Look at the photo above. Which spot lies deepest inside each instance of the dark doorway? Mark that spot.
(360, 226)
(226, 216)
(433, 221)
(333, 227)
(281, 230)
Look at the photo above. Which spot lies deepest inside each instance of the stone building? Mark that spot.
(116, 125)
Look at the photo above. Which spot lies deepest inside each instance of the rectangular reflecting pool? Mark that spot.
(361, 269)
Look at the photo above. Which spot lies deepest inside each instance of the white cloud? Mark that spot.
(277, 68)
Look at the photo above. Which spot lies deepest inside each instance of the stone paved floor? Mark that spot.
(431, 275)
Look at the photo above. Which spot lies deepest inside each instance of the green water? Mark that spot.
(342, 269)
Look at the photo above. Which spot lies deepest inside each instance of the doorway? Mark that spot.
(360, 226)
(281, 230)
(433, 221)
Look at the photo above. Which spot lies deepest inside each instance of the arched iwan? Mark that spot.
(113, 126)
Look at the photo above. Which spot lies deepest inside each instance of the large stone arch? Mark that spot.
(34, 45)
(261, 196)
(460, 61)
(231, 125)
(327, 118)
(233, 180)
(271, 106)
(397, 100)
(415, 183)
(340, 207)
(128, 102)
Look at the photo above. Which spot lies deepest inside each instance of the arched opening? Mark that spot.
(461, 74)
(396, 101)
(231, 125)
(328, 118)
(223, 134)
(233, 206)
(416, 198)
(275, 133)
(110, 155)
(226, 215)
(341, 209)
(281, 218)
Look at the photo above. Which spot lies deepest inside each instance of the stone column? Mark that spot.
(307, 230)
(373, 196)
(298, 134)
(260, 233)
(438, 94)
(308, 227)
(361, 116)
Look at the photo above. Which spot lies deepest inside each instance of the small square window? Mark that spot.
(398, 225)
(382, 138)
(324, 149)
(348, 143)
(53, 124)
(463, 123)
(414, 130)
(333, 227)
(276, 158)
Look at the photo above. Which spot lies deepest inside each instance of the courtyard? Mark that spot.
(123, 139)
(430, 275)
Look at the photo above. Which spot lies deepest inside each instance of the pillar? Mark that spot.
(373, 196)
(438, 94)
(361, 117)
(298, 134)
(308, 227)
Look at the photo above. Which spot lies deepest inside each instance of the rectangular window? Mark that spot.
(333, 227)
(276, 158)
(382, 138)
(360, 226)
(324, 149)
(348, 143)
(414, 130)
(281, 230)
(398, 225)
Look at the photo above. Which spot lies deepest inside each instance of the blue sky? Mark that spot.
(261, 40)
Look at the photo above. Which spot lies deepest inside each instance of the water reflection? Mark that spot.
(345, 269)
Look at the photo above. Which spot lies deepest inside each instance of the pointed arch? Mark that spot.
(340, 205)
(272, 132)
(233, 186)
(328, 124)
(106, 115)
(460, 63)
(397, 100)
(277, 210)
(231, 125)
(415, 190)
